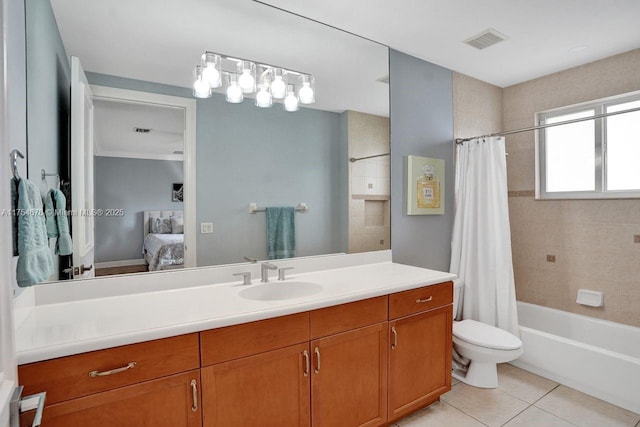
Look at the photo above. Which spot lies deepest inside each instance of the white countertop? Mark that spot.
(66, 328)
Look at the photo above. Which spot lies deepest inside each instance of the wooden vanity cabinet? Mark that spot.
(151, 383)
(258, 373)
(420, 348)
(165, 402)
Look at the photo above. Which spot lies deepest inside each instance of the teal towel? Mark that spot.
(281, 232)
(55, 205)
(35, 262)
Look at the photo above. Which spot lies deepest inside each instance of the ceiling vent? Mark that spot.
(142, 130)
(178, 152)
(485, 39)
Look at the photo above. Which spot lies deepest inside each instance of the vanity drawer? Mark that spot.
(68, 377)
(420, 299)
(233, 342)
(345, 317)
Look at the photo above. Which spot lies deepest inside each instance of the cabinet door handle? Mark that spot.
(395, 338)
(420, 301)
(194, 390)
(307, 363)
(317, 351)
(130, 365)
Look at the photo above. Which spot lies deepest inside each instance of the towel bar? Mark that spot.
(253, 208)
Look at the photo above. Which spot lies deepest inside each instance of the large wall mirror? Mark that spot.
(138, 57)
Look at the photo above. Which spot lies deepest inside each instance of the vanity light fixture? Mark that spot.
(241, 77)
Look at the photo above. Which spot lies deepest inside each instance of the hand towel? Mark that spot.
(281, 232)
(35, 262)
(14, 219)
(55, 210)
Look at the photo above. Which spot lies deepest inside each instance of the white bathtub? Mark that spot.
(597, 357)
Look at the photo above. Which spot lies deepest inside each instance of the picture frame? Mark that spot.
(425, 186)
(177, 192)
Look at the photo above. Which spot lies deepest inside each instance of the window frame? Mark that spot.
(600, 191)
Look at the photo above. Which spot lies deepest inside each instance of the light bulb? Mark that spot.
(234, 92)
(291, 100)
(263, 97)
(201, 88)
(306, 93)
(278, 88)
(247, 79)
(212, 76)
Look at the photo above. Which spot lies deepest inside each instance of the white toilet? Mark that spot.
(484, 345)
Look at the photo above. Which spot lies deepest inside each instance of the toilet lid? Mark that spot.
(484, 335)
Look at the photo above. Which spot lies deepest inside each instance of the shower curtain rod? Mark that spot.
(548, 125)
(355, 159)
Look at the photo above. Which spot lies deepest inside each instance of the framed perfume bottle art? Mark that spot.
(425, 186)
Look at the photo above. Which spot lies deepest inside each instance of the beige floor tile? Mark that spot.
(492, 407)
(439, 414)
(535, 417)
(454, 382)
(522, 384)
(584, 410)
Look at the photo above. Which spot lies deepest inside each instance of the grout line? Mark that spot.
(544, 395)
(462, 412)
(518, 414)
(557, 416)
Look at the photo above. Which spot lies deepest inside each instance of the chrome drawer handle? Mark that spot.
(194, 389)
(130, 365)
(395, 338)
(317, 351)
(420, 301)
(307, 363)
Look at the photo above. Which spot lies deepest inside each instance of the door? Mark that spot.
(349, 378)
(419, 360)
(266, 390)
(81, 172)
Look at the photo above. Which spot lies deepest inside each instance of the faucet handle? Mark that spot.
(246, 277)
(281, 272)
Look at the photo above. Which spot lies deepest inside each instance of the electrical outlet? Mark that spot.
(636, 238)
(206, 227)
(551, 258)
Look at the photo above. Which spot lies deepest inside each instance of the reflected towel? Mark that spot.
(35, 262)
(281, 232)
(55, 206)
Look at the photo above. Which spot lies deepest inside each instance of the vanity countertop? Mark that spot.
(66, 328)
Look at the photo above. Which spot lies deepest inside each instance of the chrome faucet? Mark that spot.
(264, 271)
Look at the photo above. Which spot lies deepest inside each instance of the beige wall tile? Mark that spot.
(592, 239)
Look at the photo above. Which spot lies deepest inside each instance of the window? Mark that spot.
(591, 159)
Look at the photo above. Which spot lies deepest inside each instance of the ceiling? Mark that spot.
(162, 42)
(545, 36)
(115, 130)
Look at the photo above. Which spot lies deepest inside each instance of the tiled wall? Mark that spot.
(369, 183)
(477, 107)
(592, 240)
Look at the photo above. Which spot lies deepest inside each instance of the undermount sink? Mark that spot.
(280, 291)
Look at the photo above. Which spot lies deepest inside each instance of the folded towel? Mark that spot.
(55, 205)
(281, 232)
(35, 262)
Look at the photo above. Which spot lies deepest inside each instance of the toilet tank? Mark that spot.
(458, 294)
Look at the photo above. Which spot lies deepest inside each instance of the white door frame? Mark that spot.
(189, 166)
(8, 370)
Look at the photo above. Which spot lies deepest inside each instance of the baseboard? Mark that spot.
(121, 263)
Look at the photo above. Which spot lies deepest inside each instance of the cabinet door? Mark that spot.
(268, 389)
(419, 360)
(166, 402)
(349, 378)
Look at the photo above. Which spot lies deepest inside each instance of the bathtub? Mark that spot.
(597, 357)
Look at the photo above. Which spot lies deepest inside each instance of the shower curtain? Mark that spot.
(481, 240)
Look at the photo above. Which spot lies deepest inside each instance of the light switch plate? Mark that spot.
(206, 227)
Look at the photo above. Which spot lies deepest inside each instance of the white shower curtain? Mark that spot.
(481, 241)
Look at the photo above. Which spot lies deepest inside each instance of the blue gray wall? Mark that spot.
(421, 97)
(247, 154)
(48, 91)
(135, 185)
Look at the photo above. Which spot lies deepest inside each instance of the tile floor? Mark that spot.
(522, 399)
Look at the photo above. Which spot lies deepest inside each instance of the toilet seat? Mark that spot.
(484, 335)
